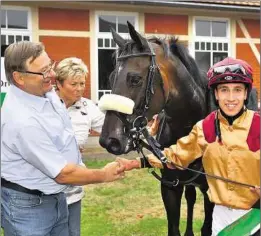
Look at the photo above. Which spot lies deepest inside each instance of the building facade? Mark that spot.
(212, 30)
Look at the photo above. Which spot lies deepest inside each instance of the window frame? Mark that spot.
(21, 32)
(14, 32)
(211, 39)
(108, 35)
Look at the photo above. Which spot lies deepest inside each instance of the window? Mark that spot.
(211, 42)
(15, 27)
(106, 45)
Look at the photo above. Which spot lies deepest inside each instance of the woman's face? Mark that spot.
(72, 88)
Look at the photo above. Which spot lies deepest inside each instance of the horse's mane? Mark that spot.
(173, 47)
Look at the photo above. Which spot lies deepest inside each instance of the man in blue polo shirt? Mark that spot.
(40, 156)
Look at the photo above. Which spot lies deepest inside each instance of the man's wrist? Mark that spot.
(136, 164)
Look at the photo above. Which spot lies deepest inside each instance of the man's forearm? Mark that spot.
(79, 175)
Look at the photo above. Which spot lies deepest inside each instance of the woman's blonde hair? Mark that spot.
(70, 67)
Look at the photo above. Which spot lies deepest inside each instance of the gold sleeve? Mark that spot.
(185, 151)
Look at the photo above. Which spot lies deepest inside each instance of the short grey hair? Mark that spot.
(70, 67)
(16, 55)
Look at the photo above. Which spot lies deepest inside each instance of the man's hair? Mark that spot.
(16, 55)
(70, 67)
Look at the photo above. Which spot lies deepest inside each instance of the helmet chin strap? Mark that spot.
(231, 119)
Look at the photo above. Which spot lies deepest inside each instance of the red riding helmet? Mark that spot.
(230, 70)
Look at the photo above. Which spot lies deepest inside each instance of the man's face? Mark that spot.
(231, 97)
(37, 84)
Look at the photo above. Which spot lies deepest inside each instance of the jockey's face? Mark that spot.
(72, 89)
(231, 97)
(33, 83)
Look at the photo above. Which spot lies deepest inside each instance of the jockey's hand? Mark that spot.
(128, 164)
(153, 125)
(113, 171)
(170, 166)
(256, 190)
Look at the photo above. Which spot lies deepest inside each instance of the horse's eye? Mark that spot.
(134, 80)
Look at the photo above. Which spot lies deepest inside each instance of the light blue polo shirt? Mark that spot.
(37, 140)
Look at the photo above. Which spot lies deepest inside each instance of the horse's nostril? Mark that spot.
(114, 146)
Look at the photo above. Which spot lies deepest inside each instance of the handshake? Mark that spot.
(116, 170)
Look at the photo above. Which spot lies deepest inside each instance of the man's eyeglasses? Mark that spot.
(235, 69)
(45, 74)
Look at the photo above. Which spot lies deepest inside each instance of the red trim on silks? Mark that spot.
(208, 126)
(253, 138)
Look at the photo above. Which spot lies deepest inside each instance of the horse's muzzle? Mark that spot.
(115, 146)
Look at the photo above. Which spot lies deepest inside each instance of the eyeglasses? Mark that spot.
(235, 69)
(45, 74)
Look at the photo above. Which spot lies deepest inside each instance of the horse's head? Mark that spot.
(138, 91)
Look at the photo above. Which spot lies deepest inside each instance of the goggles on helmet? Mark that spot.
(235, 69)
(229, 73)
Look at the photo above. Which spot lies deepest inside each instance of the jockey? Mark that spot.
(228, 141)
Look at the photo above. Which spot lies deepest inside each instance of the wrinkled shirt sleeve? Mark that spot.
(185, 151)
(36, 147)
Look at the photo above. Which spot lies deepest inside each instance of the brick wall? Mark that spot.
(253, 28)
(244, 52)
(63, 19)
(166, 24)
(60, 47)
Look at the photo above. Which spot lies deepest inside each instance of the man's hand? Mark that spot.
(128, 164)
(153, 125)
(113, 171)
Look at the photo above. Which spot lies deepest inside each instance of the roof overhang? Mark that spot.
(191, 4)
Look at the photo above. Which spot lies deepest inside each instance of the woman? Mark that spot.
(85, 116)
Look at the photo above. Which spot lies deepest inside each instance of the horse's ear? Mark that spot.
(117, 38)
(136, 37)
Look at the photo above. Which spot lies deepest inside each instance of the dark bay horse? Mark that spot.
(160, 75)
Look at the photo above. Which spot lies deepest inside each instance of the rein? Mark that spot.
(136, 130)
(154, 147)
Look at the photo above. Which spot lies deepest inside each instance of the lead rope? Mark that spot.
(157, 152)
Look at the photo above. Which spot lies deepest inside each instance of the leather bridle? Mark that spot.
(136, 131)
